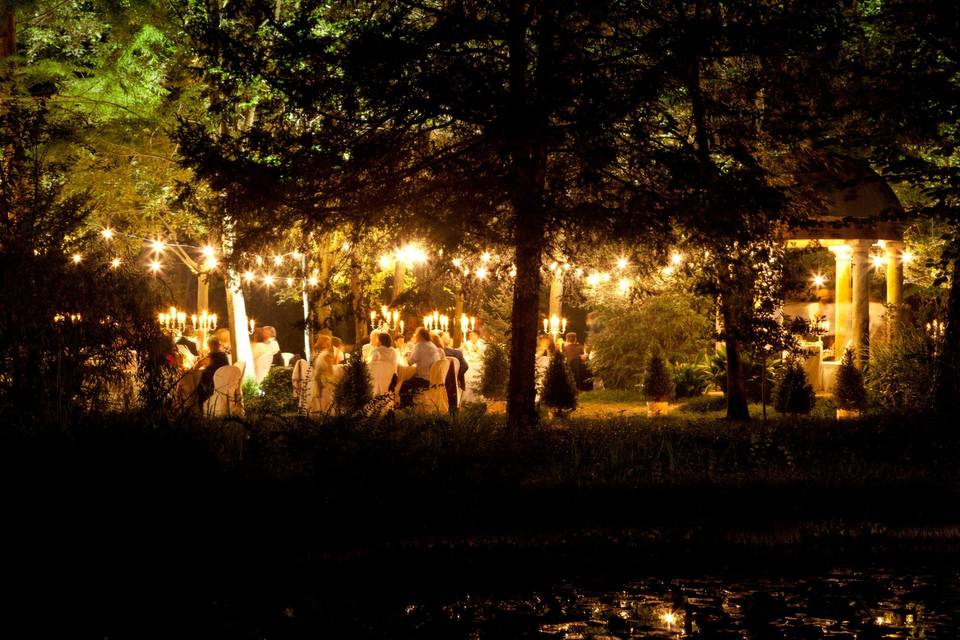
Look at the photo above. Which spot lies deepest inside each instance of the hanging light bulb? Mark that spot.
(481, 273)
(107, 233)
(622, 263)
(115, 263)
(278, 260)
(157, 246)
(676, 259)
(249, 276)
(906, 257)
(207, 251)
(268, 280)
(819, 280)
(155, 266)
(77, 258)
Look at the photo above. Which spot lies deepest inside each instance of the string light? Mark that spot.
(624, 285)
(819, 280)
(278, 260)
(268, 280)
(482, 273)
(115, 263)
(411, 254)
(155, 266)
(622, 263)
(107, 233)
(485, 257)
(906, 257)
(676, 258)
(384, 262)
(157, 246)
(312, 281)
(207, 251)
(877, 261)
(77, 258)
(289, 282)
(249, 276)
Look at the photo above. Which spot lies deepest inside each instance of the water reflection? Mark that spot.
(841, 605)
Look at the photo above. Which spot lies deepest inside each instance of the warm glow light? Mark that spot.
(668, 271)
(669, 618)
(249, 276)
(207, 251)
(289, 282)
(624, 285)
(107, 233)
(278, 260)
(155, 266)
(295, 255)
(384, 262)
(485, 257)
(157, 246)
(676, 259)
(457, 262)
(877, 261)
(210, 264)
(819, 280)
(553, 265)
(513, 271)
(411, 254)
(482, 272)
(906, 257)
(115, 263)
(76, 258)
(268, 280)
(622, 263)
(593, 279)
(578, 272)
(312, 281)
(259, 261)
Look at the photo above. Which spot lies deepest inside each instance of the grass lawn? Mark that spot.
(610, 403)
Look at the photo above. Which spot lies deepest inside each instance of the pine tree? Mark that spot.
(559, 392)
(849, 391)
(354, 391)
(658, 384)
(496, 372)
(794, 395)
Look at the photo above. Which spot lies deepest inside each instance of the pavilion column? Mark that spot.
(841, 305)
(894, 272)
(860, 327)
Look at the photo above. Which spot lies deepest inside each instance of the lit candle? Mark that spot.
(373, 317)
(464, 324)
(554, 323)
(473, 323)
(182, 320)
(173, 312)
(426, 321)
(213, 321)
(396, 316)
(545, 325)
(563, 325)
(401, 326)
(385, 312)
(193, 319)
(253, 325)
(436, 319)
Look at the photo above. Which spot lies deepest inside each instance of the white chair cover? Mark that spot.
(434, 398)
(261, 366)
(226, 399)
(472, 380)
(287, 357)
(299, 378)
(381, 373)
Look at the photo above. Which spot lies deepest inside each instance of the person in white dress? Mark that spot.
(267, 342)
(383, 351)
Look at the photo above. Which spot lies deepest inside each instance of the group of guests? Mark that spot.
(574, 353)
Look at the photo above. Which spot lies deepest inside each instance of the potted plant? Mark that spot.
(658, 387)
(849, 392)
(559, 388)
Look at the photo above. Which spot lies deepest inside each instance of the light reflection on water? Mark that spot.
(840, 605)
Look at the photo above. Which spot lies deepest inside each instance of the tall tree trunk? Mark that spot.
(948, 365)
(737, 405)
(203, 292)
(521, 391)
(356, 301)
(8, 30)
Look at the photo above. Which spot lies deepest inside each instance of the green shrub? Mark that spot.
(250, 390)
(753, 373)
(793, 394)
(901, 370)
(354, 391)
(705, 404)
(690, 380)
(496, 372)
(559, 393)
(276, 392)
(849, 392)
(678, 325)
(658, 385)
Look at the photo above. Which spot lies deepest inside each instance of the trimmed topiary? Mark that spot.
(658, 383)
(275, 393)
(495, 372)
(849, 391)
(559, 392)
(793, 394)
(354, 391)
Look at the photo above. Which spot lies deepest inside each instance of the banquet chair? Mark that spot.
(287, 357)
(434, 398)
(381, 375)
(226, 399)
(261, 366)
(299, 379)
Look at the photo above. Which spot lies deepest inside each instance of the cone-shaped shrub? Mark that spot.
(496, 372)
(793, 393)
(658, 383)
(559, 388)
(849, 392)
(354, 391)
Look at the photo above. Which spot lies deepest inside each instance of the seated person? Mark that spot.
(474, 347)
(368, 346)
(209, 364)
(448, 350)
(383, 351)
(423, 356)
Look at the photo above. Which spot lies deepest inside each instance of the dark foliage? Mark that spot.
(559, 392)
(354, 391)
(849, 391)
(496, 372)
(793, 393)
(275, 393)
(658, 384)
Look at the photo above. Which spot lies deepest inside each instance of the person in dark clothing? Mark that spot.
(574, 354)
(213, 361)
(187, 341)
(445, 342)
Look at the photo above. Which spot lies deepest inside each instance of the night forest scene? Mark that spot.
(480, 320)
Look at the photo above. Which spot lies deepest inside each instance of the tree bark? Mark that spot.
(948, 366)
(737, 406)
(8, 30)
(521, 391)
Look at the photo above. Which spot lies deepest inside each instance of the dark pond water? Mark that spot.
(842, 604)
